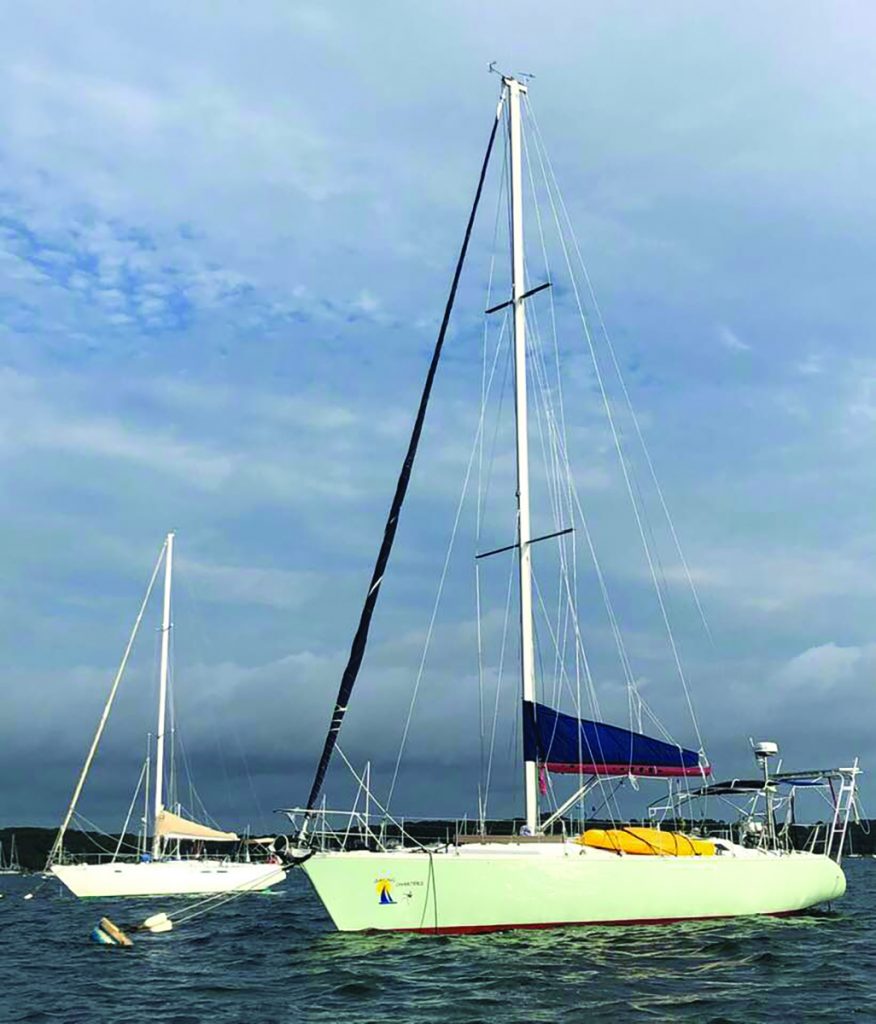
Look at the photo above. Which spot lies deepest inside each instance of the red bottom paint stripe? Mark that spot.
(478, 929)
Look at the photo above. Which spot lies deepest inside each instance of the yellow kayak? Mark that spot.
(647, 841)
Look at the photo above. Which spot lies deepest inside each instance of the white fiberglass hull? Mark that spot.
(488, 887)
(166, 878)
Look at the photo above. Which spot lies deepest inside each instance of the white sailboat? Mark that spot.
(161, 871)
(538, 877)
(10, 866)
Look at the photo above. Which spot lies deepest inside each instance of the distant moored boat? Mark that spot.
(160, 868)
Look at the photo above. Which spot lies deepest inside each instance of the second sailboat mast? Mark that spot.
(162, 695)
(524, 533)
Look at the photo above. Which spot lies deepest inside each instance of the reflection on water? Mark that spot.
(278, 959)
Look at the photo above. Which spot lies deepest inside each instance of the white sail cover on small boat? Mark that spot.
(174, 826)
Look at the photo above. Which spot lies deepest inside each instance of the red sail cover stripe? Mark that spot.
(651, 770)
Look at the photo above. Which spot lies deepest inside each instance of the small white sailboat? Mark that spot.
(161, 870)
(544, 874)
(10, 866)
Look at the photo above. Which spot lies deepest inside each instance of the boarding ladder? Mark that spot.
(844, 804)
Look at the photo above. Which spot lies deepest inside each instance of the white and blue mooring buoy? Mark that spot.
(108, 934)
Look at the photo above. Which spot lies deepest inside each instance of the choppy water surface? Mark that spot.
(276, 958)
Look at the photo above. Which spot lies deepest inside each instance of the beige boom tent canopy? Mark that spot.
(173, 826)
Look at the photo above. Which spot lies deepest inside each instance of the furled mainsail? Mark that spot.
(564, 744)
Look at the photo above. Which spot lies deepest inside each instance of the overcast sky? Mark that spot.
(226, 236)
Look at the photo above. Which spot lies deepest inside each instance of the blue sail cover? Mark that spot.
(562, 743)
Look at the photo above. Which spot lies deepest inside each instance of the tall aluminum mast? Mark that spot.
(524, 534)
(162, 695)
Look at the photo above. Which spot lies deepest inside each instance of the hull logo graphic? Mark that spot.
(384, 891)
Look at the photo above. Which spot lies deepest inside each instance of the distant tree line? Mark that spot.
(33, 844)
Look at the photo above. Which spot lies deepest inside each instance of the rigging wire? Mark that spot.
(130, 810)
(357, 649)
(442, 580)
(503, 391)
(600, 781)
(539, 354)
(480, 488)
(93, 830)
(613, 426)
(559, 446)
(57, 845)
(197, 630)
(547, 421)
(499, 677)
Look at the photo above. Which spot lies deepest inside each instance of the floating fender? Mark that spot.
(157, 923)
(109, 934)
(163, 926)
